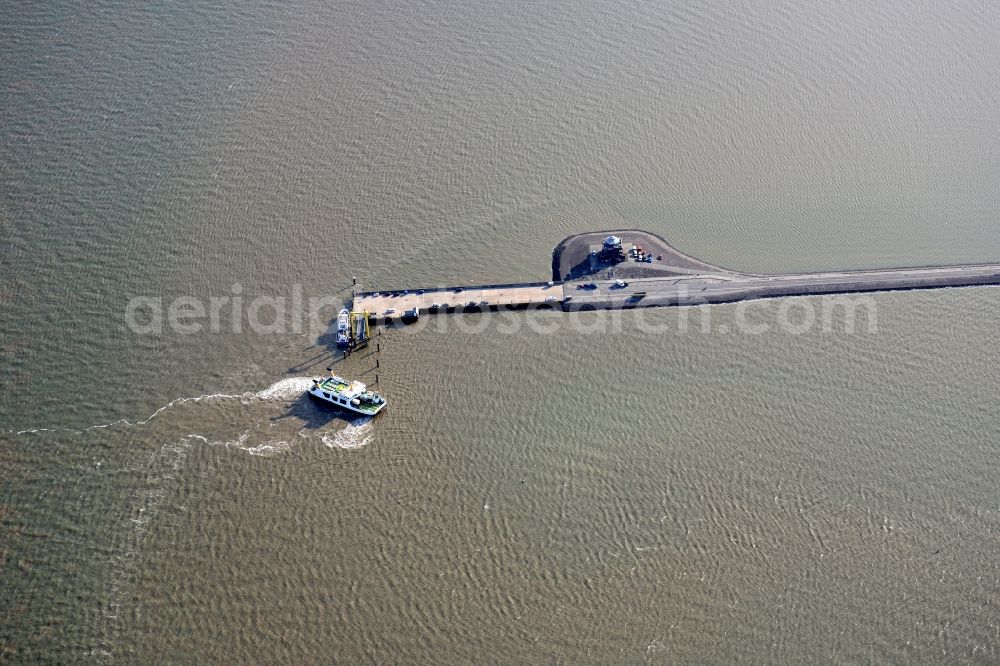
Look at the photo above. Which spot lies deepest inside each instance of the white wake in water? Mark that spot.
(263, 434)
(146, 497)
(241, 443)
(356, 435)
(285, 389)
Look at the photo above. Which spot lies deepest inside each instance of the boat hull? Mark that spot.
(317, 394)
(344, 328)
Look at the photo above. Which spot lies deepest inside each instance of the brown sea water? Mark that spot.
(600, 493)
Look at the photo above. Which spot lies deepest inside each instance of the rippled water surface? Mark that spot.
(642, 486)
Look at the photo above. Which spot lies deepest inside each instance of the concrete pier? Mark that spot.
(395, 304)
(673, 278)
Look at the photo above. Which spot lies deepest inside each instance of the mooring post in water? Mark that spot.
(376, 363)
(376, 378)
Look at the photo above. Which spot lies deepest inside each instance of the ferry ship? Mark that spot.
(344, 328)
(352, 396)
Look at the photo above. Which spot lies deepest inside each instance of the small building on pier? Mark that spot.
(611, 251)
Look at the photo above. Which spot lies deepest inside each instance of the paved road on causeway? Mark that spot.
(728, 287)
